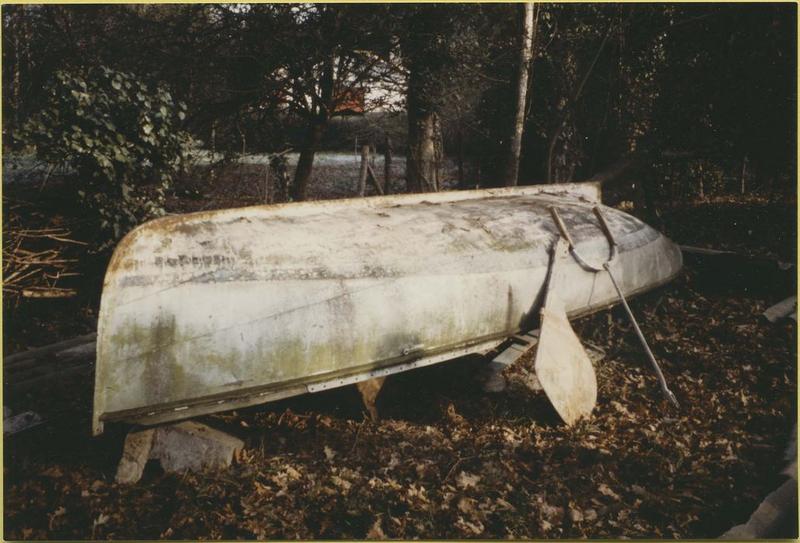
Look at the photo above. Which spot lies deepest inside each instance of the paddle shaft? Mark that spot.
(663, 382)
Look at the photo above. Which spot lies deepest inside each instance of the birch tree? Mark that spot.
(527, 39)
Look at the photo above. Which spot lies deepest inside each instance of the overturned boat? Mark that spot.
(218, 310)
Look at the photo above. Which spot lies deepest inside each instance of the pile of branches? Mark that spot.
(34, 258)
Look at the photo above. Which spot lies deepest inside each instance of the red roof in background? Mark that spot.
(350, 102)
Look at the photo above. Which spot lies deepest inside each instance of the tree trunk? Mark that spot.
(511, 170)
(317, 124)
(422, 167)
(305, 163)
(568, 109)
(651, 211)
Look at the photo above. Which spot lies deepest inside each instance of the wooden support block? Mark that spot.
(135, 455)
(369, 390)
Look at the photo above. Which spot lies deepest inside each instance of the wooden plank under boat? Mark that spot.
(216, 310)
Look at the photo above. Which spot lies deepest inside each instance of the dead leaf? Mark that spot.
(376, 531)
(343, 484)
(551, 512)
(473, 528)
(467, 480)
(466, 505)
(606, 491)
(638, 490)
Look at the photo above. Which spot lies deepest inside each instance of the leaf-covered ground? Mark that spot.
(450, 461)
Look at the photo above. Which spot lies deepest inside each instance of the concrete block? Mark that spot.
(193, 446)
(178, 447)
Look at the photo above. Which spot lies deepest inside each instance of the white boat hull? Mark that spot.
(211, 311)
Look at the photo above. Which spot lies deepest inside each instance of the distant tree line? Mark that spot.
(661, 94)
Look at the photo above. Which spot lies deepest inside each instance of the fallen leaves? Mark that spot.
(449, 462)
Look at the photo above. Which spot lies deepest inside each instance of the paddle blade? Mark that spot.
(564, 369)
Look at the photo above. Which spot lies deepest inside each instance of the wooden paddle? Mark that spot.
(561, 364)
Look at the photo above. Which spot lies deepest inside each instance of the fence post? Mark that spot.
(387, 166)
(362, 174)
(266, 182)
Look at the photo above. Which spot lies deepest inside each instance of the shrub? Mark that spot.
(120, 137)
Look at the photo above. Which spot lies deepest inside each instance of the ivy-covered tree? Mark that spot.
(121, 138)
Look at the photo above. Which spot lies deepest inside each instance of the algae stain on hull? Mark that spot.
(169, 362)
(161, 369)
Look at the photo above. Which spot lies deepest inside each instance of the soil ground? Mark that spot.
(447, 460)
